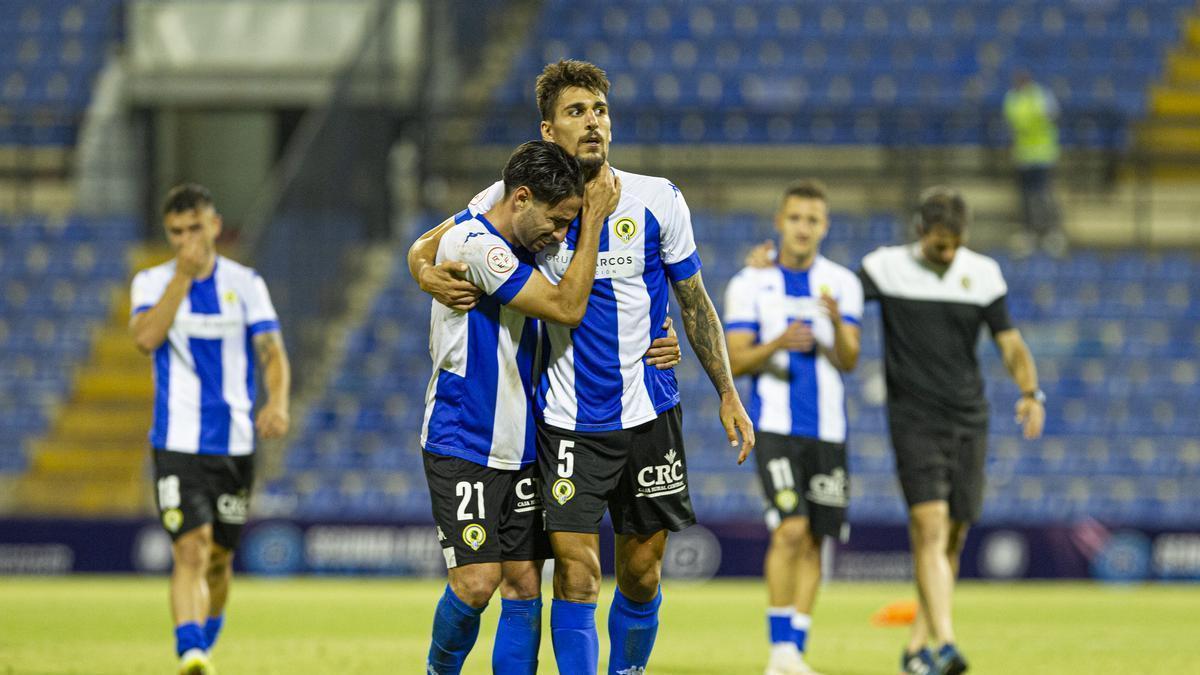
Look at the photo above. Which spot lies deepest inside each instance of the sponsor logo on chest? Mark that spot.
(625, 258)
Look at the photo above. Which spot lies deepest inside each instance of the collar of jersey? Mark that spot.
(490, 228)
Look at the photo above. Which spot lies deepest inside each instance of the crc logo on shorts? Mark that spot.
(662, 479)
(528, 496)
(474, 535)
(787, 500)
(172, 519)
(233, 509)
(499, 259)
(563, 490)
(626, 229)
(831, 489)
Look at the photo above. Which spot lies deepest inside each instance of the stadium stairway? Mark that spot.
(1173, 127)
(91, 460)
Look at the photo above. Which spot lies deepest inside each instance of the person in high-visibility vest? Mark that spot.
(1032, 113)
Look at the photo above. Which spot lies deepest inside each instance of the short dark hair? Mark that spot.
(186, 197)
(808, 188)
(942, 207)
(549, 172)
(567, 73)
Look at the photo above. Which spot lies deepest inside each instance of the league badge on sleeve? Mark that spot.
(499, 260)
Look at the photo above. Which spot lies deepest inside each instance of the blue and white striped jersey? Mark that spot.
(477, 404)
(593, 377)
(204, 371)
(799, 394)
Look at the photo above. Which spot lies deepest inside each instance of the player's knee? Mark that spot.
(928, 532)
(475, 584)
(793, 535)
(522, 584)
(641, 585)
(576, 580)
(220, 564)
(191, 552)
(956, 539)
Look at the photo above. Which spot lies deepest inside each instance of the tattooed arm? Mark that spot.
(704, 332)
(273, 419)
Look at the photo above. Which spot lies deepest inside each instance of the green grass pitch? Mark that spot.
(121, 626)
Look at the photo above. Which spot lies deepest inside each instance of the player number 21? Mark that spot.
(465, 491)
(566, 464)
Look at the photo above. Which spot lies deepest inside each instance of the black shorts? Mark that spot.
(639, 474)
(942, 466)
(804, 477)
(194, 490)
(485, 515)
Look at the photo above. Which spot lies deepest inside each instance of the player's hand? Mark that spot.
(762, 255)
(272, 421)
(601, 194)
(190, 259)
(735, 420)
(664, 353)
(797, 338)
(447, 283)
(1031, 415)
(829, 306)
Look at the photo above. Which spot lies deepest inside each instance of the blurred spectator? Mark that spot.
(1032, 113)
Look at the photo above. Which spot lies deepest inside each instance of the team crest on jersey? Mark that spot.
(966, 283)
(786, 500)
(826, 290)
(563, 490)
(626, 229)
(172, 519)
(499, 260)
(474, 535)
(230, 297)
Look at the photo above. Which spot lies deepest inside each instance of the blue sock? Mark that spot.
(212, 628)
(632, 627)
(801, 623)
(573, 631)
(518, 637)
(455, 628)
(188, 636)
(779, 624)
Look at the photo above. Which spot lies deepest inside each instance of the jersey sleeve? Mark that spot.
(850, 304)
(741, 312)
(869, 290)
(260, 312)
(485, 200)
(493, 267)
(995, 313)
(143, 293)
(679, 254)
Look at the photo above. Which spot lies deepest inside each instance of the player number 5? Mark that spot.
(566, 465)
(464, 490)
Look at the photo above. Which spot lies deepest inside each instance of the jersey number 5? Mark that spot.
(566, 463)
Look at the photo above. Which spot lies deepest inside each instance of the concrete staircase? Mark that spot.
(92, 461)
(1172, 130)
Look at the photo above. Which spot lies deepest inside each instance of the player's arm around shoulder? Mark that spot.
(444, 281)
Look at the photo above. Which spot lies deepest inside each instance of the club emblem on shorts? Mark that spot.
(172, 519)
(499, 260)
(625, 229)
(786, 500)
(563, 490)
(474, 535)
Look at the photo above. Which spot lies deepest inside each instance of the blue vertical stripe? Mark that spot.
(660, 384)
(162, 390)
(214, 411)
(460, 419)
(755, 408)
(598, 383)
(206, 354)
(802, 368)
